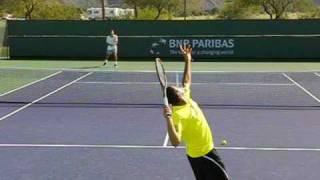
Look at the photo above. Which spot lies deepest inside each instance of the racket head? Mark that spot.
(161, 74)
(162, 77)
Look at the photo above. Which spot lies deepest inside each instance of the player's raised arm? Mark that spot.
(186, 52)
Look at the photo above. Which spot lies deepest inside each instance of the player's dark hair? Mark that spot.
(172, 95)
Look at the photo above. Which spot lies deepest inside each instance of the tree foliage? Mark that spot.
(158, 5)
(55, 10)
(154, 9)
(234, 9)
(40, 9)
(275, 9)
(136, 5)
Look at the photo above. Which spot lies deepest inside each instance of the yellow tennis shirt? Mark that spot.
(194, 129)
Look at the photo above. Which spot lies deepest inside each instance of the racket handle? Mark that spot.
(165, 101)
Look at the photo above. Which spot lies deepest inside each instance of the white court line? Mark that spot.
(151, 147)
(300, 86)
(156, 83)
(117, 83)
(317, 74)
(256, 84)
(39, 99)
(31, 83)
(166, 140)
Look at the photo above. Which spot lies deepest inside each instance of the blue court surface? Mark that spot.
(109, 125)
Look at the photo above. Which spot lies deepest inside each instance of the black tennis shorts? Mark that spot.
(208, 167)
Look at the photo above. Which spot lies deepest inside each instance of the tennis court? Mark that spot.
(108, 124)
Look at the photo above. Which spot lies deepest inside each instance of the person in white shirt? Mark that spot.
(112, 48)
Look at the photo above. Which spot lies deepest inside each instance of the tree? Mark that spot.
(194, 7)
(24, 8)
(172, 5)
(103, 10)
(162, 6)
(56, 10)
(146, 8)
(41, 9)
(277, 8)
(235, 9)
(1, 7)
(136, 5)
(29, 7)
(159, 5)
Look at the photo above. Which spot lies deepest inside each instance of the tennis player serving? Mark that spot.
(186, 122)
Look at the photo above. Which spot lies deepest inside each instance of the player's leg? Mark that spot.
(115, 54)
(106, 58)
(196, 165)
(108, 54)
(213, 166)
(214, 155)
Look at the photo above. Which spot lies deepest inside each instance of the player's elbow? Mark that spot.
(186, 84)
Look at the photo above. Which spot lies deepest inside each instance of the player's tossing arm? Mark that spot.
(186, 52)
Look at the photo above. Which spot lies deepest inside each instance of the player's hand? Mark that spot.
(186, 51)
(167, 111)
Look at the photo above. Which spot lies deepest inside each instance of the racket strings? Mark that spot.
(161, 73)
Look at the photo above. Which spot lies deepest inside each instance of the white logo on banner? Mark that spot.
(201, 46)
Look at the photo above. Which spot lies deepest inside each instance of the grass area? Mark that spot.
(12, 79)
(171, 66)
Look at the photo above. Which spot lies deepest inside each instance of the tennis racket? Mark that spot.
(162, 79)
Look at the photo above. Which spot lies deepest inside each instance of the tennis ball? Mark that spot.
(224, 142)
